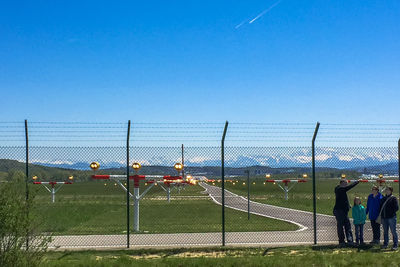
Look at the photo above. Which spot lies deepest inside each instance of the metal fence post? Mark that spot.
(127, 185)
(26, 178)
(26, 161)
(183, 162)
(314, 182)
(223, 181)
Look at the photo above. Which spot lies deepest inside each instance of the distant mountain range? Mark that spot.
(259, 160)
(367, 164)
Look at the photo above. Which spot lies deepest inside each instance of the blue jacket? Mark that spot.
(374, 206)
(358, 213)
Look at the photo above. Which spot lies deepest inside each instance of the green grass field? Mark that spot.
(95, 208)
(99, 207)
(323, 256)
(300, 196)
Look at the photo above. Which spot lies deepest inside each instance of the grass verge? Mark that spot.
(287, 256)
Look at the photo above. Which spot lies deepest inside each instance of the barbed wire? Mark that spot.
(81, 127)
(192, 132)
(89, 123)
(360, 124)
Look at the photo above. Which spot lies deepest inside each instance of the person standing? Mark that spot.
(389, 207)
(341, 211)
(359, 217)
(373, 208)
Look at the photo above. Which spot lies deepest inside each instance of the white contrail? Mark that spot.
(264, 12)
(240, 24)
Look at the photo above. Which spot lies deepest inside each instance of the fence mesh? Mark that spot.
(268, 180)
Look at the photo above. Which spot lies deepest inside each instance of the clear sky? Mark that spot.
(168, 61)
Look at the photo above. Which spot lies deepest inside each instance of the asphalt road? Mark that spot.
(326, 230)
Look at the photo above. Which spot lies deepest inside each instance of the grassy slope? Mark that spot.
(291, 256)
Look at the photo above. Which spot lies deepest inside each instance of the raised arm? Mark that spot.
(350, 186)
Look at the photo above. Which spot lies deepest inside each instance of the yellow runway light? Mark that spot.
(136, 166)
(94, 165)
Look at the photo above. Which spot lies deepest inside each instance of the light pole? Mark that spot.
(248, 193)
(136, 196)
(53, 190)
(285, 188)
(179, 168)
(166, 179)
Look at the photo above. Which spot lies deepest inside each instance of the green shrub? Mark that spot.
(20, 242)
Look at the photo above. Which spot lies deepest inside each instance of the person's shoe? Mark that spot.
(342, 245)
(351, 245)
(394, 248)
(384, 247)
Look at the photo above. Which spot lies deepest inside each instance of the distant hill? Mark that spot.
(389, 168)
(10, 167)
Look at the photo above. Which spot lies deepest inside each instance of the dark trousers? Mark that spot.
(376, 230)
(343, 223)
(390, 223)
(359, 233)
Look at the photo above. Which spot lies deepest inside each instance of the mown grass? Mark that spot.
(93, 208)
(99, 207)
(300, 196)
(288, 256)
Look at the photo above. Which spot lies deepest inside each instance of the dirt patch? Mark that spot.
(183, 255)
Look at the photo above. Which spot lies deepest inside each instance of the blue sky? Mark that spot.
(169, 61)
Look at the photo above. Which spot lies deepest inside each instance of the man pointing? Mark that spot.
(341, 211)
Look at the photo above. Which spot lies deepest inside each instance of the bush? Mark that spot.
(20, 242)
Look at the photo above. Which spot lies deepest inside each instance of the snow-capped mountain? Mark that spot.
(341, 158)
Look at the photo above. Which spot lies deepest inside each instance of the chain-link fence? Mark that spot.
(279, 184)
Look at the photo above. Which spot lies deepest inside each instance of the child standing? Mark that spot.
(359, 217)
